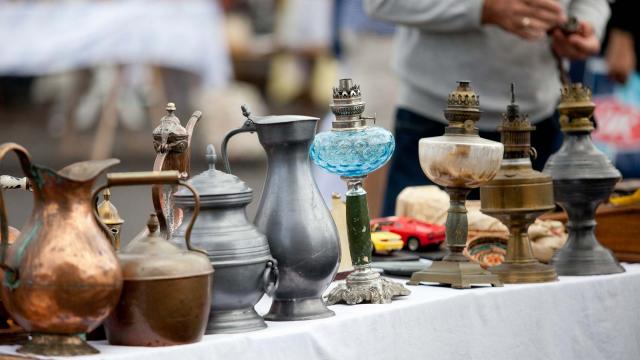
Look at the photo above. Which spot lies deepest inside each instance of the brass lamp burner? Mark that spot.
(517, 196)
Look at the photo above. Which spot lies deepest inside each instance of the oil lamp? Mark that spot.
(460, 160)
(517, 196)
(583, 178)
(110, 218)
(352, 150)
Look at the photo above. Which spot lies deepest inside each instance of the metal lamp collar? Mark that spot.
(576, 108)
(463, 110)
(348, 107)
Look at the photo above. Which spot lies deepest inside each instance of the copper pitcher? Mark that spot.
(61, 276)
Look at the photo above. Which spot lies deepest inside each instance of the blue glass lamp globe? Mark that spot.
(352, 153)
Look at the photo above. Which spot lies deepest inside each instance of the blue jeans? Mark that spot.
(411, 127)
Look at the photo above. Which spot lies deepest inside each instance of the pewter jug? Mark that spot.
(239, 252)
(61, 277)
(301, 233)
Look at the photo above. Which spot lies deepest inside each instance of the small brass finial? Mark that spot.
(153, 223)
(211, 157)
(106, 194)
(171, 107)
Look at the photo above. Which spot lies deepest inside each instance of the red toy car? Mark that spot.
(416, 234)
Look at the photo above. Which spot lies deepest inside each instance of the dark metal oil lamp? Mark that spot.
(352, 150)
(583, 178)
(460, 160)
(517, 196)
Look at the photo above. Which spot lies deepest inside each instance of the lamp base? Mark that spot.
(298, 309)
(597, 260)
(57, 345)
(366, 286)
(460, 275)
(524, 272)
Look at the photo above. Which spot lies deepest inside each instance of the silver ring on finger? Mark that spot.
(526, 22)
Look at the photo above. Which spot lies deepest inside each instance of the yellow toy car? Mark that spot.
(385, 242)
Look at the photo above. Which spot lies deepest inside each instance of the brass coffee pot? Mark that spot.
(61, 277)
(517, 196)
(172, 144)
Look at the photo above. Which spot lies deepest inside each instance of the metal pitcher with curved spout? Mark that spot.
(301, 233)
(61, 276)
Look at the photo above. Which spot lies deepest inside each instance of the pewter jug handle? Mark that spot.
(271, 277)
(171, 177)
(25, 162)
(248, 126)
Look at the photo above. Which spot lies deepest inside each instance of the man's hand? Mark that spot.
(529, 19)
(576, 46)
(620, 55)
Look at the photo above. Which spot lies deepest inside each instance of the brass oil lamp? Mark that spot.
(460, 160)
(583, 178)
(110, 217)
(352, 150)
(517, 196)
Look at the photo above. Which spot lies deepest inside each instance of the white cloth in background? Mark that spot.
(49, 37)
(305, 24)
(586, 318)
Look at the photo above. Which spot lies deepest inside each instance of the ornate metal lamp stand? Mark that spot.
(352, 150)
(583, 178)
(459, 160)
(517, 196)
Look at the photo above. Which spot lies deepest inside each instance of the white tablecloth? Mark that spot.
(584, 318)
(47, 37)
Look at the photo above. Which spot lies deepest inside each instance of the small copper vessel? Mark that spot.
(517, 196)
(166, 294)
(61, 277)
(4, 315)
(109, 216)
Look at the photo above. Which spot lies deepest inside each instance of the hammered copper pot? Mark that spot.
(167, 290)
(61, 276)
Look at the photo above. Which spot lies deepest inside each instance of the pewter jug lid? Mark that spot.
(150, 256)
(214, 184)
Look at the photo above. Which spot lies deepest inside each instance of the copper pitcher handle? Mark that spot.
(25, 162)
(248, 126)
(171, 177)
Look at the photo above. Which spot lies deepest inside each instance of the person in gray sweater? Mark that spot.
(492, 43)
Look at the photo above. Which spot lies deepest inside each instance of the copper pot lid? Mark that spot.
(149, 256)
(215, 186)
